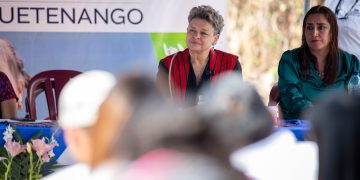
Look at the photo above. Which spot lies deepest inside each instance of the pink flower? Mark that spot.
(14, 148)
(41, 147)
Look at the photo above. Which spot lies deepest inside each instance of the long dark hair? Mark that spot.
(332, 59)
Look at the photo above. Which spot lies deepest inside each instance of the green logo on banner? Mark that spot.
(167, 43)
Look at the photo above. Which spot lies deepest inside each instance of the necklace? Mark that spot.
(321, 74)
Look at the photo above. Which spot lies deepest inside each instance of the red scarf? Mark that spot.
(220, 62)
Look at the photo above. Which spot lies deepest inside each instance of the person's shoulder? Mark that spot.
(3, 75)
(290, 55)
(4, 80)
(6, 89)
(347, 55)
(292, 52)
(347, 60)
(167, 59)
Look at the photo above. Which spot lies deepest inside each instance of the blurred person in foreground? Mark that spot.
(94, 116)
(168, 143)
(79, 106)
(316, 67)
(130, 93)
(13, 79)
(242, 123)
(336, 129)
(182, 74)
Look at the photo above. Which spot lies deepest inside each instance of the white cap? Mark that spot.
(82, 97)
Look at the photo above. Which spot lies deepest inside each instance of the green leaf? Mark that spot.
(2, 168)
(37, 135)
(3, 164)
(21, 165)
(3, 152)
(18, 138)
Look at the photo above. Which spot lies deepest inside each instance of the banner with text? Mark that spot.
(113, 35)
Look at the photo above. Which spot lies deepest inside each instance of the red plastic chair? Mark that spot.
(274, 97)
(51, 83)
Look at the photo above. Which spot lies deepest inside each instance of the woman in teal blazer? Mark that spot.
(316, 67)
